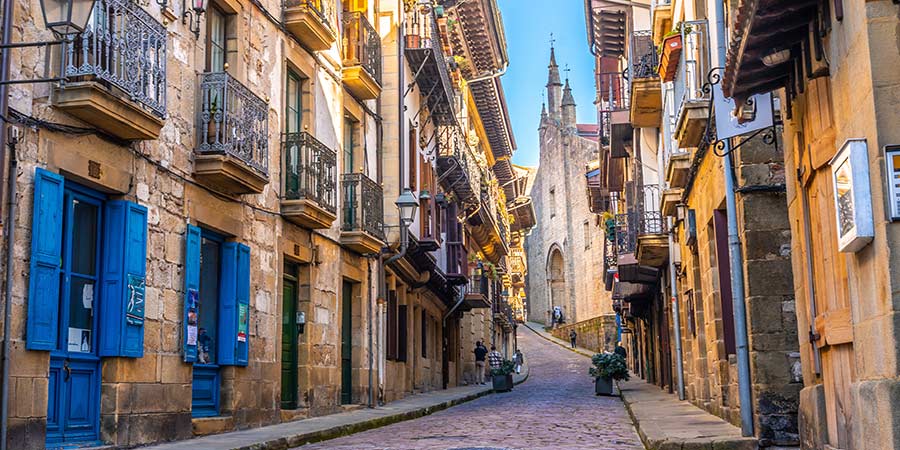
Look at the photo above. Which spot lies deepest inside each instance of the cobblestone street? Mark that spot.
(554, 409)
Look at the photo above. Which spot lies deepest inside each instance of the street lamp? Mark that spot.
(407, 203)
(65, 17)
(198, 7)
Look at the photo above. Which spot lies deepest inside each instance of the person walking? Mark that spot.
(520, 359)
(495, 359)
(480, 353)
(621, 350)
(573, 336)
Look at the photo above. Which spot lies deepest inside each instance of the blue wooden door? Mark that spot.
(73, 410)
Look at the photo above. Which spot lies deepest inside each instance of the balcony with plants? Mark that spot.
(362, 214)
(116, 72)
(457, 167)
(311, 22)
(692, 98)
(646, 91)
(478, 292)
(232, 153)
(362, 57)
(310, 181)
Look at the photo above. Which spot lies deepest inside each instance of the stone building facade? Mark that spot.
(660, 184)
(565, 249)
(842, 99)
(200, 229)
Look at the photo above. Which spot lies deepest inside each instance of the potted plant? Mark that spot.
(607, 368)
(670, 55)
(501, 377)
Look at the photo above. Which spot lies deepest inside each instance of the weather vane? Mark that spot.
(566, 70)
(552, 41)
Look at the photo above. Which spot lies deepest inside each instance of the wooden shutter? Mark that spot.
(234, 305)
(392, 352)
(46, 252)
(191, 292)
(720, 222)
(124, 275)
(402, 333)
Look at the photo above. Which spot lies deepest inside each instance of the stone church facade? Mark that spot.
(565, 248)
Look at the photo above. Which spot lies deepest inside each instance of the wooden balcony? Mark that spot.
(646, 91)
(310, 173)
(362, 229)
(308, 21)
(117, 84)
(691, 122)
(456, 164)
(678, 167)
(232, 153)
(362, 57)
(478, 294)
(661, 16)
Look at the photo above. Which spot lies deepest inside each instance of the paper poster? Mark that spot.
(193, 307)
(79, 340)
(87, 296)
(243, 322)
(134, 311)
(191, 335)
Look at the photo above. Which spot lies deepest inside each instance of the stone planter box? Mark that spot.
(603, 386)
(502, 383)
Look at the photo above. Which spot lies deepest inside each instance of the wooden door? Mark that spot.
(346, 343)
(289, 345)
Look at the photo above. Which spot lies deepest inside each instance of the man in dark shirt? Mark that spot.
(621, 350)
(480, 354)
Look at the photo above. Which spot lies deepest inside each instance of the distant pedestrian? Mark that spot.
(520, 359)
(621, 350)
(480, 353)
(495, 359)
(573, 337)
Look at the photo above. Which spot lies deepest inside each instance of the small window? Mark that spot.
(552, 203)
(350, 141)
(587, 234)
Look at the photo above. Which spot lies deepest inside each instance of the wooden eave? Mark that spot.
(761, 27)
(479, 36)
(491, 106)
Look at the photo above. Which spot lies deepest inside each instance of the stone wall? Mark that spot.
(597, 334)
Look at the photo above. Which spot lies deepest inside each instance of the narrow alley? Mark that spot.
(555, 408)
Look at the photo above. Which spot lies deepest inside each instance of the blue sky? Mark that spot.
(528, 24)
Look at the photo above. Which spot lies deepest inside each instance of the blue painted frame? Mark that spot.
(205, 379)
(82, 365)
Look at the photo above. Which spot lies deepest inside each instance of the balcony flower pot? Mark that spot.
(502, 378)
(669, 58)
(607, 367)
(413, 41)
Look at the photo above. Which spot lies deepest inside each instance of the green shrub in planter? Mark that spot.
(607, 367)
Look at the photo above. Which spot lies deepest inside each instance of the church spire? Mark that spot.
(568, 107)
(553, 85)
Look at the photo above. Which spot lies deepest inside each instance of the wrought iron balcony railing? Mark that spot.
(233, 121)
(479, 285)
(323, 9)
(310, 170)
(613, 92)
(452, 144)
(363, 208)
(362, 45)
(650, 218)
(694, 61)
(644, 59)
(503, 225)
(124, 47)
(626, 233)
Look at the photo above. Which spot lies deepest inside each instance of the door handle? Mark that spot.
(67, 370)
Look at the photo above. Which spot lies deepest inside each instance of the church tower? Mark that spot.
(568, 107)
(554, 87)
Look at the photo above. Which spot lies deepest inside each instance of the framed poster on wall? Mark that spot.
(852, 196)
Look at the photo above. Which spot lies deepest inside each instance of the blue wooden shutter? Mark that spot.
(191, 291)
(46, 252)
(124, 275)
(242, 344)
(234, 305)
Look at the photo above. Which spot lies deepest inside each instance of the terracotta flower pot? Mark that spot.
(671, 55)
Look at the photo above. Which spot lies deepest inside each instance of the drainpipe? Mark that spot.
(679, 359)
(7, 296)
(371, 341)
(737, 273)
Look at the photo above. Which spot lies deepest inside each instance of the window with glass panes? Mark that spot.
(294, 102)
(215, 39)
